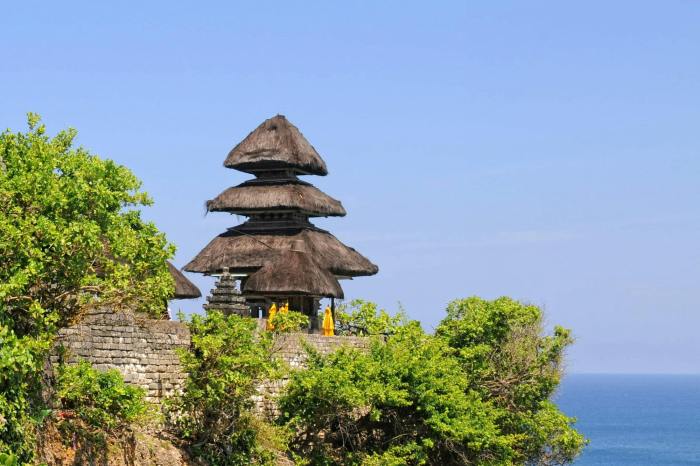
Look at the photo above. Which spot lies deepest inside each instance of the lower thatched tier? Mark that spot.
(293, 273)
(245, 253)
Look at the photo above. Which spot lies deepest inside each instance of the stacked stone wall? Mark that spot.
(142, 349)
(290, 346)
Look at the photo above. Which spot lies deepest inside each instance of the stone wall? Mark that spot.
(142, 349)
(290, 346)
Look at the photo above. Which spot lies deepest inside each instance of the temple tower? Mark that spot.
(278, 254)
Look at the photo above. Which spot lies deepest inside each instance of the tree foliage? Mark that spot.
(99, 398)
(71, 237)
(289, 321)
(476, 393)
(364, 318)
(225, 363)
(8, 459)
(501, 345)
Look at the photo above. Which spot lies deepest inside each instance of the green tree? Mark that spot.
(401, 402)
(364, 318)
(512, 364)
(290, 321)
(226, 362)
(415, 398)
(71, 237)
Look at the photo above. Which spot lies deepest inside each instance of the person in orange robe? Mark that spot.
(270, 315)
(328, 325)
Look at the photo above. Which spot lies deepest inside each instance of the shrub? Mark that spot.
(510, 363)
(99, 398)
(290, 321)
(415, 398)
(20, 395)
(403, 402)
(8, 460)
(71, 237)
(225, 364)
(364, 318)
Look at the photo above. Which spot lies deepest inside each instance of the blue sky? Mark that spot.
(547, 151)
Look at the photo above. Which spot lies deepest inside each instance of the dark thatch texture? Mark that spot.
(276, 144)
(293, 273)
(302, 198)
(246, 253)
(184, 288)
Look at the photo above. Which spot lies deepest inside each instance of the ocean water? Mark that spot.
(641, 420)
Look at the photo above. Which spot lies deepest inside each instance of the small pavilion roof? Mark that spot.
(258, 197)
(293, 273)
(276, 144)
(184, 288)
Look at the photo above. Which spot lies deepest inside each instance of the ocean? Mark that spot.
(641, 420)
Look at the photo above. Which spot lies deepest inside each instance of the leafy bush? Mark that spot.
(225, 364)
(69, 239)
(100, 398)
(290, 321)
(445, 399)
(500, 345)
(363, 318)
(69, 233)
(20, 396)
(402, 403)
(8, 460)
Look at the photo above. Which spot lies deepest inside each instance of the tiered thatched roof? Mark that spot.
(300, 197)
(293, 273)
(184, 288)
(243, 253)
(276, 144)
(278, 249)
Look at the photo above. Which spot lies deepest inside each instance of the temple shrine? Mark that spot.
(277, 255)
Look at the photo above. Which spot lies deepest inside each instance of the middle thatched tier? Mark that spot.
(299, 197)
(244, 253)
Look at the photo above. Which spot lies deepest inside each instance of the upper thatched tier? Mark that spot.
(244, 253)
(299, 197)
(184, 288)
(276, 144)
(293, 273)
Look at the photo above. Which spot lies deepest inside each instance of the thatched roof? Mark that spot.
(293, 273)
(300, 197)
(243, 253)
(184, 288)
(276, 144)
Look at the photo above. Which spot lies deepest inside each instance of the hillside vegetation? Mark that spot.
(476, 392)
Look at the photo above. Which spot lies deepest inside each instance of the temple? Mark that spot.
(277, 255)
